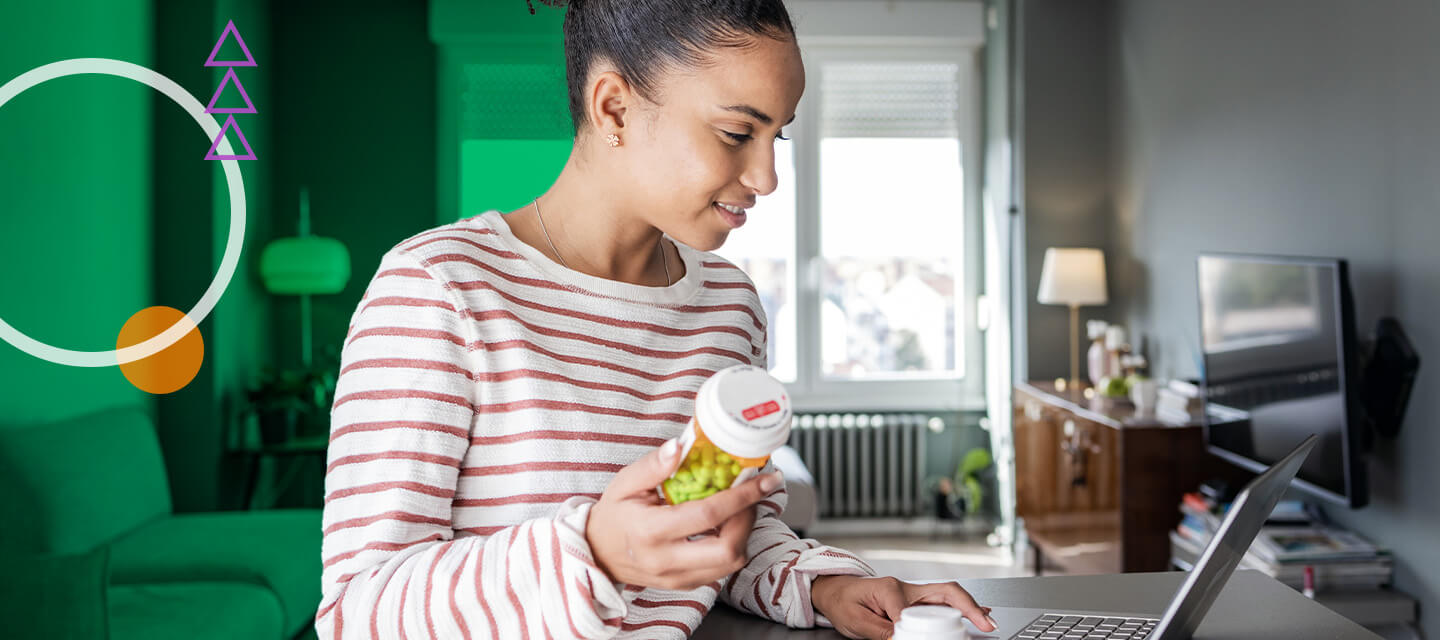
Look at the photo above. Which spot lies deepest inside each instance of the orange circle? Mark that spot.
(173, 367)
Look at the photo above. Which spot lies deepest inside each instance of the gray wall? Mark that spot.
(1065, 162)
(1292, 127)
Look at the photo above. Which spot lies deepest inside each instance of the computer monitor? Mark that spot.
(1280, 357)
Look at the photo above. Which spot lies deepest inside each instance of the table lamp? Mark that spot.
(1074, 278)
(305, 265)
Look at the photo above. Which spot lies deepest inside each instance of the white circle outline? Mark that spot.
(233, 244)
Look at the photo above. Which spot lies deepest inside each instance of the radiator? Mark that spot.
(865, 465)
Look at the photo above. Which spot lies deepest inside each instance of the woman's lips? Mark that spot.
(735, 220)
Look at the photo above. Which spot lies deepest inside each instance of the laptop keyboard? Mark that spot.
(1057, 627)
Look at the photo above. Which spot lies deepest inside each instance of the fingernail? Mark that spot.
(771, 481)
(669, 449)
(993, 623)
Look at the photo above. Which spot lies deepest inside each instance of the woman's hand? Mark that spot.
(638, 539)
(870, 607)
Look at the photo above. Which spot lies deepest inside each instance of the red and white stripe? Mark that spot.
(483, 405)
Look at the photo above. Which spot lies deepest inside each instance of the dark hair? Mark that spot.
(642, 37)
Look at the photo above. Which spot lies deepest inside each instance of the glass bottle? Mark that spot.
(1115, 349)
(1096, 359)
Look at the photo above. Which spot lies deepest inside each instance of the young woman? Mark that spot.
(511, 384)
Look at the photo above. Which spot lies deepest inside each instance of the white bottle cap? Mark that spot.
(744, 411)
(1096, 329)
(930, 622)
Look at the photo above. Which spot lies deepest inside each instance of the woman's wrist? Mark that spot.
(821, 589)
(593, 539)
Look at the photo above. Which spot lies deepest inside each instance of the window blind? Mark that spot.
(890, 100)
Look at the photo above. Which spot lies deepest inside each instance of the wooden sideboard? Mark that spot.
(1098, 484)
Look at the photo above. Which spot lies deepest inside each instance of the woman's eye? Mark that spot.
(742, 138)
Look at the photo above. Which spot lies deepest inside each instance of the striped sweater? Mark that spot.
(486, 397)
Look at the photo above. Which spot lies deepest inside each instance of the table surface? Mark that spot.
(1252, 605)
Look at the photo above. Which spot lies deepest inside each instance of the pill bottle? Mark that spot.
(742, 414)
(930, 622)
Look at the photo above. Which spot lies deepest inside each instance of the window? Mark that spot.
(867, 256)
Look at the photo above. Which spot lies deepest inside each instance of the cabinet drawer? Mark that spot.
(1065, 463)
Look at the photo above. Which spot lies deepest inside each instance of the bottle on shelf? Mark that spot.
(1115, 349)
(1096, 359)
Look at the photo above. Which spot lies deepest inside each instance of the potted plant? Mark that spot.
(290, 403)
(962, 495)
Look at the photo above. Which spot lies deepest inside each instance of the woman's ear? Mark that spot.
(609, 100)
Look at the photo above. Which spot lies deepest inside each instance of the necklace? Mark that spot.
(658, 246)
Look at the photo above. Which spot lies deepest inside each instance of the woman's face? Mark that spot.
(710, 140)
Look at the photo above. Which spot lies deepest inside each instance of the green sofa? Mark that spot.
(98, 552)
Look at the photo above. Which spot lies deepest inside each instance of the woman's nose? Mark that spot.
(759, 175)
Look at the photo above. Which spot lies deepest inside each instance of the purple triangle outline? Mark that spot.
(230, 30)
(230, 124)
(230, 77)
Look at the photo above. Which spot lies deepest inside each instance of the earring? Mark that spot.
(613, 139)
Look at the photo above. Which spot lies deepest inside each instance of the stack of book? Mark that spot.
(1339, 560)
(1177, 402)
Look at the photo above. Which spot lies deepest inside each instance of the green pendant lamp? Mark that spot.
(303, 266)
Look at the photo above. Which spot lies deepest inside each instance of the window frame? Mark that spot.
(811, 391)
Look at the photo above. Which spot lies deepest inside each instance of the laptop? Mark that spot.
(1190, 603)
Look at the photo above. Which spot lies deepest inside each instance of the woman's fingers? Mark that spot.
(891, 598)
(735, 532)
(699, 516)
(724, 551)
(950, 593)
(872, 626)
(646, 473)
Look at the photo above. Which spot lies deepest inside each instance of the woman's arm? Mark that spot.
(775, 582)
(392, 564)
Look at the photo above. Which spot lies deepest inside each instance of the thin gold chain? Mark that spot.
(659, 246)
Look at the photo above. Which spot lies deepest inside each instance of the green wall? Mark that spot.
(109, 207)
(194, 422)
(504, 125)
(354, 119)
(75, 195)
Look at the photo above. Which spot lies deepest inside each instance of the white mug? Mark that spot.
(1144, 393)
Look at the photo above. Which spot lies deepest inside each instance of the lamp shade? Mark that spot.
(305, 265)
(1074, 277)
